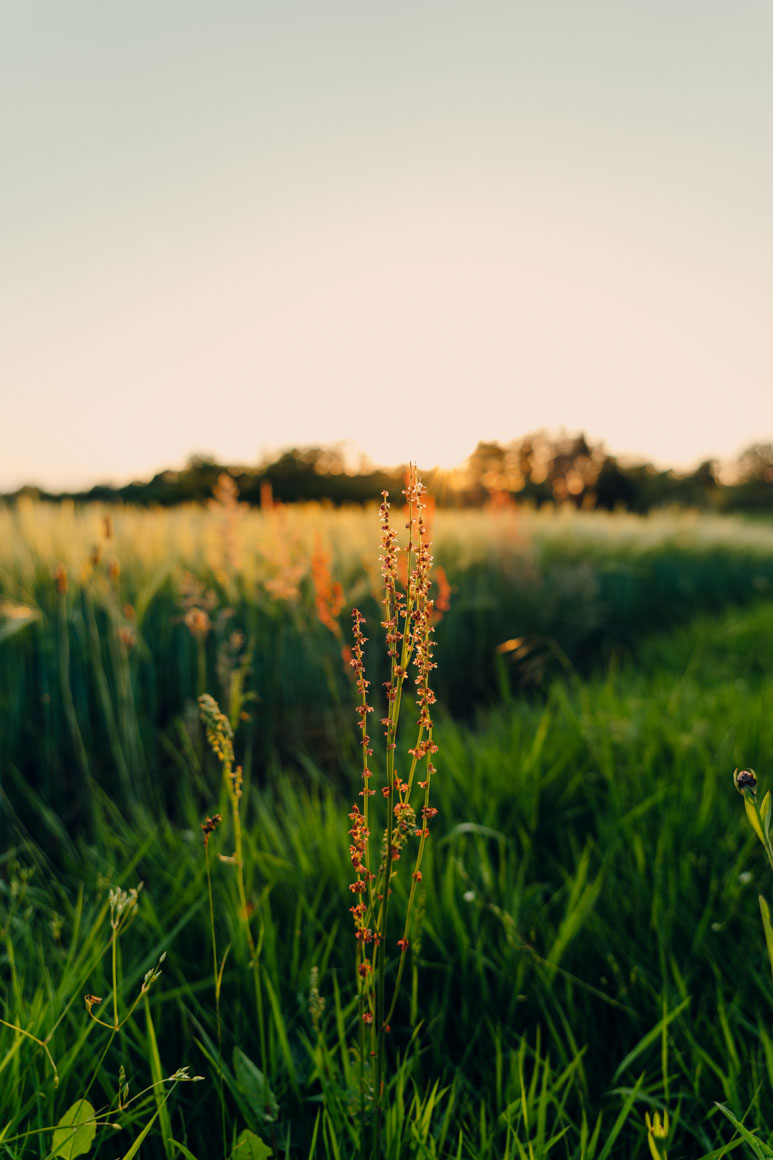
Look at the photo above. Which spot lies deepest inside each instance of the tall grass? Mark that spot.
(251, 606)
(587, 904)
(591, 951)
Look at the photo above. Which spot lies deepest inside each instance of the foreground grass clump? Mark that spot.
(589, 949)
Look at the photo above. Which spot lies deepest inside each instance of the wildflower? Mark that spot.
(657, 1134)
(210, 825)
(443, 598)
(407, 620)
(123, 905)
(328, 595)
(746, 780)
(197, 622)
(181, 1075)
(152, 975)
(197, 605)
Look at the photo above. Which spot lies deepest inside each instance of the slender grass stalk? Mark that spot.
(40, 1042)
(220, 738)
(208, 827)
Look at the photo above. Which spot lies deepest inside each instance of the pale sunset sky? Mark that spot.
(232, 227)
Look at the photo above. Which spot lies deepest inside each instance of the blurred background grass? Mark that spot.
(172, 603)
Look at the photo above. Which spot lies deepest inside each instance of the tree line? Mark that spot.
(536, 469)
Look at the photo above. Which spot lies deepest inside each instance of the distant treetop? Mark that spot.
(537, 469)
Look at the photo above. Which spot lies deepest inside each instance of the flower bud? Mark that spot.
(745, 780)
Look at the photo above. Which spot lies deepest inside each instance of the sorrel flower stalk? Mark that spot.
(408, 631)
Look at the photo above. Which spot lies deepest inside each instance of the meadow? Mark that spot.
(586, 943)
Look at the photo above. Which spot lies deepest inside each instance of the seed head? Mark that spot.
(218, 728)
(316, 1001)
(210, 825)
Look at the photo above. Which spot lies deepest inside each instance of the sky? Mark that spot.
(233, 227)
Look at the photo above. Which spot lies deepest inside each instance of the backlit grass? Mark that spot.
(113, 622)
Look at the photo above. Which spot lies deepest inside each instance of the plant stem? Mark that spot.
(114, 956)
(216, 980)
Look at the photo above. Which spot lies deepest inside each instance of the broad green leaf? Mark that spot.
(75, 1131)
(254, 1088)
(765, 912)
(250, 1147)
(765, 812)
(751, 814)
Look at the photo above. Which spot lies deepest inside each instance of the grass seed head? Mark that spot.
(218, 729)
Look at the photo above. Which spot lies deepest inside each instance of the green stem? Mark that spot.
(245, 918)
(114, 944)
(40, 1042)
(363, 1116)
(201, 658)
(216, 980)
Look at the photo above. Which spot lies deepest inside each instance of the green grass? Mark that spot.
(591, 945)
(98, 684)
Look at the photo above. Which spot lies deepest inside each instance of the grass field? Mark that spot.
(589, 945)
